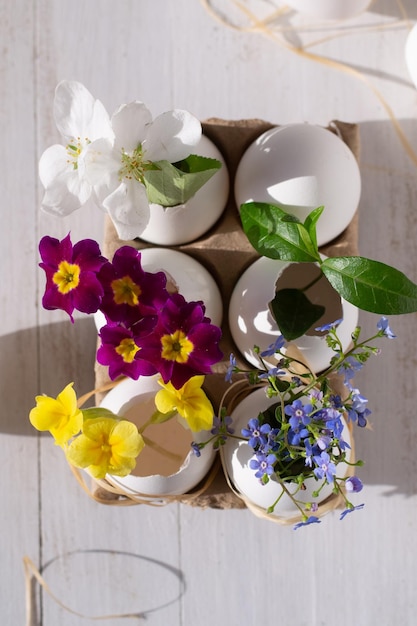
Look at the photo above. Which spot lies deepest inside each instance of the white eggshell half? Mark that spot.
(193, 280)
(237, 454)
(252, 324)
(119, 400)
(301, 167)
(180, 224)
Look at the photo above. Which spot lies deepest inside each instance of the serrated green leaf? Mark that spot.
(294, 313)
(97, 412)
(371, 285)
(275, 234)
(170, 184)
(311, 223)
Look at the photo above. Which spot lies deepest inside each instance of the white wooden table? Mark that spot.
(183, 566)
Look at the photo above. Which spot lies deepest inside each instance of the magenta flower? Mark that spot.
(184, 342)
(71, 274)
(120, 350)
(130, 293)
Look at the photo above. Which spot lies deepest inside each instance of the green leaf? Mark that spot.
(276, 234)
(97, 412)
(170, 184)
(294, 313)
(310, 223)
(371, 285)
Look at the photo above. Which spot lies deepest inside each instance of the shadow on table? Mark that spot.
(79, 576)
(387, 7)
(43, 360)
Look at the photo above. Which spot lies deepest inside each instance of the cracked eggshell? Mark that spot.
(135, 398)
(171, 226)
(301, 167)
(236, 455)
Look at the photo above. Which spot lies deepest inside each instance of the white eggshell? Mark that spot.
(237, 454)
(119, 400)
(193, 280)
(180, 224)
(252, 324)
(301, 167)
(329, 9)
(411, 54)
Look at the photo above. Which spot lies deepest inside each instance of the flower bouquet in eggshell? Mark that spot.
(287, 446)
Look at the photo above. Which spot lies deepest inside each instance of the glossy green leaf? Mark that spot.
(294, 313)
(311, 223)
(371, 285)
(171, 184)
(276, 234)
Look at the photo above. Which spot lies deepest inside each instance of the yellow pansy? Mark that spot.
(106, 446)
(60, 415)
(190, 402)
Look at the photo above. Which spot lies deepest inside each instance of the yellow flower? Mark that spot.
(190, 402)
(106, 446)
(61, 416)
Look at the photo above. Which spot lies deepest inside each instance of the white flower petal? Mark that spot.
(53, 163)
(129, 124)
(128, 208)
(100, 164)
(172, 136)
(78, 114)
(65, 194)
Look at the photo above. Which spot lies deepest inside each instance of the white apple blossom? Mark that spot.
(81, 119)
(116, 168)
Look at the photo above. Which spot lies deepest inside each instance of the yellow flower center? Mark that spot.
(74, 150)
(125, 291)
(133, 165)
(67, 277)
(127, 349)
(176, 347)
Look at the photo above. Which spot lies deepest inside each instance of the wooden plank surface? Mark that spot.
(180, 565)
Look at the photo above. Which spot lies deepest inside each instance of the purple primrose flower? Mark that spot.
(183, 343)
(71, 275)
(130, 293)
(120, 350)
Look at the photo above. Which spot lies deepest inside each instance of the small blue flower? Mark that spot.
(383, 326)
(351, 509)
(336, 401)
(274, 372)
(231, 368)
(358, 411)
(353, 484)
(258, 435)
(263, 463)
(349, 367)
(196, 448)
(326, 327)
(274, 347)
(297, 432)
(325, 467)
(310, 520)
(300, 411)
